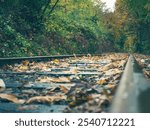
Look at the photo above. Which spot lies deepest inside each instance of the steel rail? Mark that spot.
(11, 60)
(133, 93)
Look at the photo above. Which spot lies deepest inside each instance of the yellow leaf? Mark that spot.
(56, 61)
(25, 63)
(23, 67)
(101, 82)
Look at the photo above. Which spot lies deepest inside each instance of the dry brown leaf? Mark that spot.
(101, 82)
(40, 99)
(25, 62)
(56, 80)
(11, 98)
(65, 65)
(122, 63)
(48, 79)
(111, 86)
(45, 99)
(64, 79)
(74, 71)
(64, 89)
(107, 67)
(147, 73)
(113, 72)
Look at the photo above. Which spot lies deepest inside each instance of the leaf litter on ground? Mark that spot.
(90, 93)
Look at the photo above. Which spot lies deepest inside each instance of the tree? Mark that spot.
(132, 25)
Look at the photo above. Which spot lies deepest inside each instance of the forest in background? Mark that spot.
(53, 27)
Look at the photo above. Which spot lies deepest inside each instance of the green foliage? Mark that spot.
(31, 28)
(133, 23)
(12, 43)
(48, 27)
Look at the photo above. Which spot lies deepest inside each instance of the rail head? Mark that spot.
(12, 60)
(133, 90)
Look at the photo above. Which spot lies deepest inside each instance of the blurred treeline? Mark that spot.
(50, 27)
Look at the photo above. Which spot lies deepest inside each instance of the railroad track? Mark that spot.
(73, 83)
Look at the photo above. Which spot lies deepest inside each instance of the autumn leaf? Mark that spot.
(113, 72)
(111, 86)
(40, 99)
(108, 67)
(74, 70)
(45, 99)
(23, 67)
(11, 98)
(101, 82)
(64, 79)
(56, 61)
(64, 89)
(25, 63)
(147, 73)
(55, 80)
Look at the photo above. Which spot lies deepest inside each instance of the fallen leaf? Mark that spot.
(147, 73)
(74, 70)
(101, 82)
(11, 98)
(51, 79)
(113, 72)
(56, 61)
(65, 65)
(107, 67)
(40, 99)
(78, 97)
(117, 77)
(25, 63)
(64, 89)
(45, 99)
(64, 79)
(22, 67)
(110, 86)
(122, 63)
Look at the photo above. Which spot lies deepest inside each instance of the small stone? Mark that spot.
(143, 61)
(30, 91)
(28, 85)
(2, 84)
